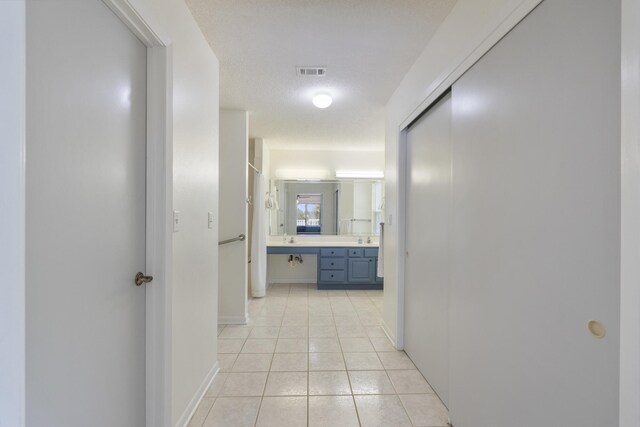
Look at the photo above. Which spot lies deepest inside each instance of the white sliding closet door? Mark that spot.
(536, 224)
(428, 194)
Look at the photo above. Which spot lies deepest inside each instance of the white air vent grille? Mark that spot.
(312, 71)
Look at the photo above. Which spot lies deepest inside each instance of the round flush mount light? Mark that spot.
(322, 100)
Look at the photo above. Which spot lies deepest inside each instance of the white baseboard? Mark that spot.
(390, 335)
(197, 398)
(233, 320)
(288, 281)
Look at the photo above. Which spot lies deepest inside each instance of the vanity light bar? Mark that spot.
(302, 174)
(359, 174)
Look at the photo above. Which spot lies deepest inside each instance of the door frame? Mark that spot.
(630, 212)
(159, 202)
(12, 200)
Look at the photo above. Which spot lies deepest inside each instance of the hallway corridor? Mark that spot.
(315, 358)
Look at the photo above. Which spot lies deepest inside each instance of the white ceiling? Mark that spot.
(366, 45)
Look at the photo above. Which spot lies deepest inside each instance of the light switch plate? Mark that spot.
(176, 221)
(210, 220)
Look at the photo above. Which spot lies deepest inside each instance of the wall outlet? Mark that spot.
(210, 220)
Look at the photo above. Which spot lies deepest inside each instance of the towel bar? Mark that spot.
(241, 237)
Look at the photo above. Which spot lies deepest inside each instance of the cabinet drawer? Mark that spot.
(371, 252)
(338, 252)
(332, 264)
(331, 276)
(356, 252)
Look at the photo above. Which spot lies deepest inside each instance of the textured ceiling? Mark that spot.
(366, 45)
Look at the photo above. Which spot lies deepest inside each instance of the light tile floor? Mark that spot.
(315, 358)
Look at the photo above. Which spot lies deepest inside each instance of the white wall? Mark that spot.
(195, 192)
(279, 270)
(362, 207)
(262, 159)
(12, 213)
(630, 272)
(232, 257)
(328, 161)
(254, 157)
(469, 30)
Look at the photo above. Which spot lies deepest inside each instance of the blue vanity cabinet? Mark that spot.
(348, 268)
(332, 266)
(362, 265)
(333, 252)
(378, 279)
(341, 267)
(361, 270)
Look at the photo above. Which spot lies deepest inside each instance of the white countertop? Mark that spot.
(321, 244)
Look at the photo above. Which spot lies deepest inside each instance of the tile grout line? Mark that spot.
(336, 306)
(267, 379)
(353, 397)
(308, 362)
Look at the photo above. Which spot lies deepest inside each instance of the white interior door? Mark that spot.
(428, 195)
(86, 142)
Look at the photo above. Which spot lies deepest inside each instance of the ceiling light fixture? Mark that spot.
(322, 100)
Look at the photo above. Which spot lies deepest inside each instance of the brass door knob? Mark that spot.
(141, 278)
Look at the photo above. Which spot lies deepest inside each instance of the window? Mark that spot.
(308, 213)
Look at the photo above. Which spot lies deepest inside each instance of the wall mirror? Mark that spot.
(339, 207)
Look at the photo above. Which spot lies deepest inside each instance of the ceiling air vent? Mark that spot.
(312, 71)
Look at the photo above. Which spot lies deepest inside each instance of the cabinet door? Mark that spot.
(361, 270)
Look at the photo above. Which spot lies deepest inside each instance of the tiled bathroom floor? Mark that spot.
(315, 358)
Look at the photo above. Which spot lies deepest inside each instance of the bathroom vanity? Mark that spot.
(340, 265)
(333, 224)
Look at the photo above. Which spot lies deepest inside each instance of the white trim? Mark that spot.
(159, 235)
(402, 237)
(12, 214)
(630, 211)
(288, 281)
(389, 334)
(459, 67)
(132, 19)
(439, 86)
(159, 245)
(233, 320)
(184, 419)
